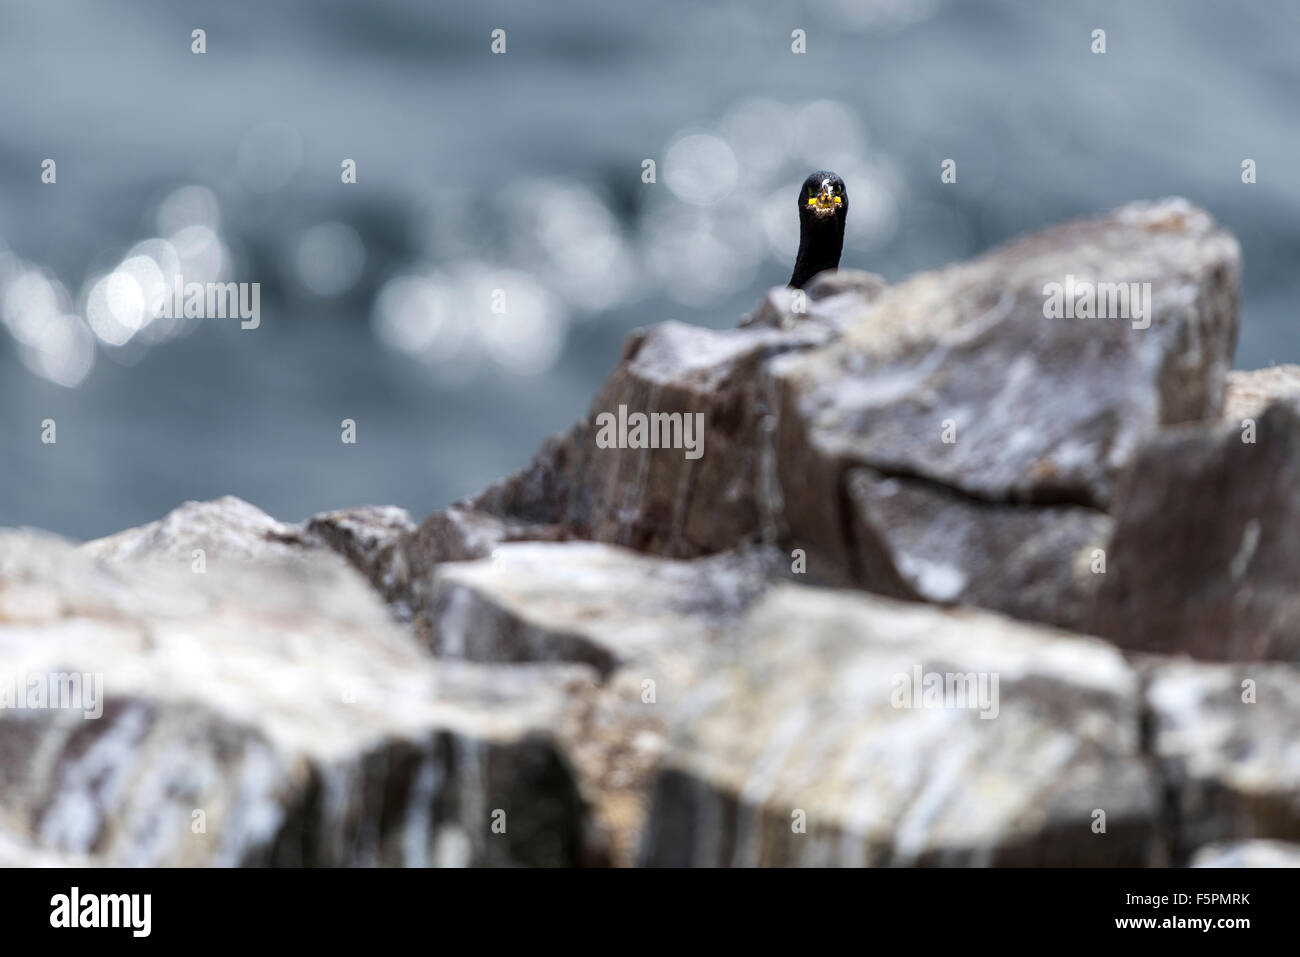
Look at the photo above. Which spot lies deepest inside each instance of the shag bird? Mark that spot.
(823, 207)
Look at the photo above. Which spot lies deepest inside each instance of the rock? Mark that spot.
(667, 501)
(1206, 545)
(584, 602)
(462, 533)
(786, 308)
(607, 648)
(1229, 751)
(225, 528)
(373, 539)
(1248, 393)
(800, 410)
(793, 751)
(924, 542)
(956, 378)
(838, 282)
(646, 625)
(1248, 854)
(1044, 409)
(261, 713)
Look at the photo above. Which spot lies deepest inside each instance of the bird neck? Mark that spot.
(819, 249)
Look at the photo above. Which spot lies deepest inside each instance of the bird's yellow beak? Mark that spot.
(824, 200)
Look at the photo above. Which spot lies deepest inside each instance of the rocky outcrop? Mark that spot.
(663, 500)
(267, 711)
(226, 531)
(856, 731)
(958, 381)
(837, 428)
(646, 625)
(616, 656)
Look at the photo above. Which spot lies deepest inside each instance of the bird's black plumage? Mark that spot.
(823, 208)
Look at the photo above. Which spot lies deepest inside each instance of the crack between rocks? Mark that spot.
(1168, 822)
(1060, 497)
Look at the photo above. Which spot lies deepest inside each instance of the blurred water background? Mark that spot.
(522, 172)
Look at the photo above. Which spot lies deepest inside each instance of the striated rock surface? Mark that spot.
(953, 387)
(661, 500)
(605, 660)
(373, 540)
(920, 541)
(956, 378)
(1045, 409)
(1206, 547)
(587, 603)
(260, 714)
(800, 750)
(646, 625)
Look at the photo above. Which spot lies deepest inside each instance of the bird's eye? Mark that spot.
(812, 200)
(838, 200)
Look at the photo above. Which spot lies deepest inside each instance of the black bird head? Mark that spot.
(823, 208)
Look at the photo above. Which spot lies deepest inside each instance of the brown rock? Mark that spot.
(1207, 544)
(956, 377)
(373, 539)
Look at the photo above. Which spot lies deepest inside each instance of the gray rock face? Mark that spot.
(952, 387)
(588, 603)
(1228, 741)
(640, 708)
(264, 713)
(646, 625)
(920, 541)
(802, 749)
(1207, 543)
(957, 378)
(604, 659)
